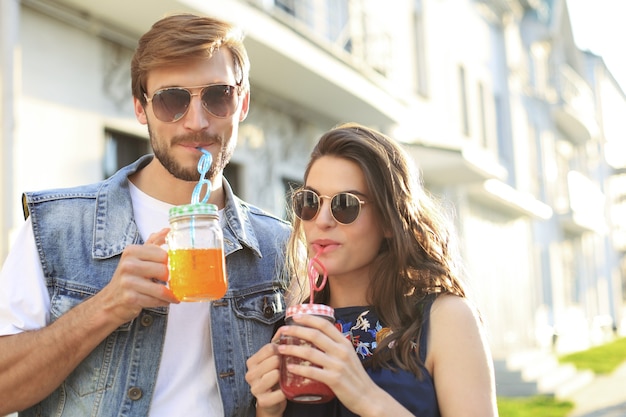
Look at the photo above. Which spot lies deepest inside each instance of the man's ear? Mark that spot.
(140, 111)
(245, 106)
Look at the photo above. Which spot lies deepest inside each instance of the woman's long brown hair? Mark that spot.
(417, 260)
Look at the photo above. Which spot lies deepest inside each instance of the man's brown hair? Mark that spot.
(182, 38)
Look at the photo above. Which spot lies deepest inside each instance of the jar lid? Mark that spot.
(196, 209)
(315, 309)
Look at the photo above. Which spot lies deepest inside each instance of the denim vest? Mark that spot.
(81, 233)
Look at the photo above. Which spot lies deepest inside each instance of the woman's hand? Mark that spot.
(263, 377)
(339, 366)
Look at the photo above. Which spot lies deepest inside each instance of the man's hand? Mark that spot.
(139, 281)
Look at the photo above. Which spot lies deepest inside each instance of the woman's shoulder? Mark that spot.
(447, 305)
(452, 318)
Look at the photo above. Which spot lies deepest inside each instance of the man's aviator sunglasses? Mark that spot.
(171, 104)
(344, 207)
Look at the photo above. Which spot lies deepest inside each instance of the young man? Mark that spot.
(88, 326)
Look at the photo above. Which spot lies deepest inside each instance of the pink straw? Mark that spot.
(314, 275)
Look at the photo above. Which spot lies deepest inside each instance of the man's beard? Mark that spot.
(161, 152)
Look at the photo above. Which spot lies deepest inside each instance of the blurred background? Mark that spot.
(510, 122)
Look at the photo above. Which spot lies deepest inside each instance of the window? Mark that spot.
(482, 117)
(338, 24)
(288, 186)
(122, 149)
(503, 142)
(232, 172)
(303, 11)
(463, 98)
(288, 6)
(420, 49)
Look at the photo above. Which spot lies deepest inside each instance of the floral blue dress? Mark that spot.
(361, 325)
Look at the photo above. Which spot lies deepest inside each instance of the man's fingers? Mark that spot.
(158, 238)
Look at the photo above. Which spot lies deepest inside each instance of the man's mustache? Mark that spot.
(197, 139)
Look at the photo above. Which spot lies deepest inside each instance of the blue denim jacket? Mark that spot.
(81, 233)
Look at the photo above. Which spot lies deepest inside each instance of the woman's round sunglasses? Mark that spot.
(171, 104)
(344, 207)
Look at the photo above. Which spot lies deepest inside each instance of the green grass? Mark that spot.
(538, 405)
(601, 359)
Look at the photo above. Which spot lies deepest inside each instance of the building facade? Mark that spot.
(512, 126)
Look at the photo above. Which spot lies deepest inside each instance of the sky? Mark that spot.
(600, 27)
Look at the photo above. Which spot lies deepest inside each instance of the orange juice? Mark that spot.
(197, 274)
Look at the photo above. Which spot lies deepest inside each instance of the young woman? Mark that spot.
(406, 341)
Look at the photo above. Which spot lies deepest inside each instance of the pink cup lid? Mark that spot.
(316, 309)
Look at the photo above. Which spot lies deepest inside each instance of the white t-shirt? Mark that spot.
(186, 382)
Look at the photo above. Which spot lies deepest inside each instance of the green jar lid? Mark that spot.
(197, 209)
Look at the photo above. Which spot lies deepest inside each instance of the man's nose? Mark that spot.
(197, 118)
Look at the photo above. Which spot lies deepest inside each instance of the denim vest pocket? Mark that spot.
(265, 304)
(96, 373)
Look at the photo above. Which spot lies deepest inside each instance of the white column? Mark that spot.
(9, 24)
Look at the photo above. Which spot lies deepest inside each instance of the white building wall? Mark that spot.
(64, 104)
(63, 113)
(9, 21)
(499, 255)
(72, 84)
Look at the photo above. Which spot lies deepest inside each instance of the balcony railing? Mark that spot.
(585, 211)
(350, 26)
(575, 106)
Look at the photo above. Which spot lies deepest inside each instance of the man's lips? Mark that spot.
(194, 143)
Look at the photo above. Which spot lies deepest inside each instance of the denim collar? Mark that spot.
(113, 203)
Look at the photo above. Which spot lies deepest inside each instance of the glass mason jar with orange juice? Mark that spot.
(195, 253)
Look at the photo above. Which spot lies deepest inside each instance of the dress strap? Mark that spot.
(425, 305)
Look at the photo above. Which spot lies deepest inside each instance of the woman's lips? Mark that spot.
(324, 247)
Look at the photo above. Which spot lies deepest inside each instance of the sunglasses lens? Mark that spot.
(306, 204)
(345, 207)
(220, 100)
(170, 104)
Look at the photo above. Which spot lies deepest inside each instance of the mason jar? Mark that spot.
(196, 253)
(295, 387)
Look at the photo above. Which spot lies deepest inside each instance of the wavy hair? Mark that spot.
(418, 259)
(182, 38)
